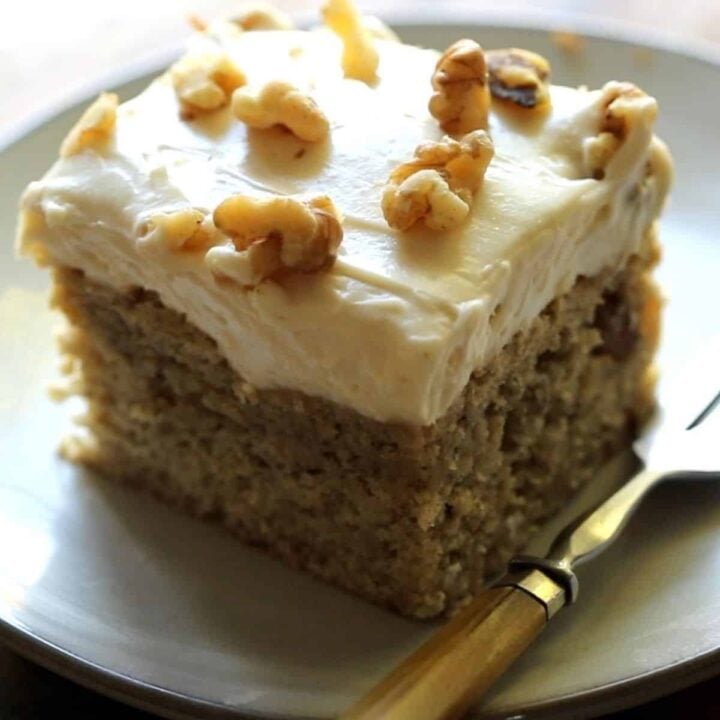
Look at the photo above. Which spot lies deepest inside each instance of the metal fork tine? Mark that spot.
(707, 413)
(686, 394)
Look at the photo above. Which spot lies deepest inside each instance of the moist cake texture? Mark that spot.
(392, 407)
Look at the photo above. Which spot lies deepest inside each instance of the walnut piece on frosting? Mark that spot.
(360, 58)
(94, 129)
(426, 196)
(624, 103)
(461, 101)
(438, 185)
(260, 16)
(205, 81)
(624, 107)
(180, 230)
(280, 103)
(276, 234)
(519, 76)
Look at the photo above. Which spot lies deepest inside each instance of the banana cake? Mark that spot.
(378, 309)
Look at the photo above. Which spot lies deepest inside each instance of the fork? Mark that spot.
(449, 673)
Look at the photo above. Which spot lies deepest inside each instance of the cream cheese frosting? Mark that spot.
(397, 326)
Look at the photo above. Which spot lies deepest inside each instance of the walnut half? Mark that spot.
(438, 185)
(273, 235)
(279, 103)
(461, 101)
(624, 107)
(519, 76)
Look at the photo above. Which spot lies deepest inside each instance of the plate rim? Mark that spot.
(178, 706)
(182, 706)
(114, 685)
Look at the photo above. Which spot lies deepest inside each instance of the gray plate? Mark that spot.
(174, 616)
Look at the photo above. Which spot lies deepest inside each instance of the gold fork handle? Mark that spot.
(456, 666)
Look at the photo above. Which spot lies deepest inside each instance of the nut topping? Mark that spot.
(360, 58)
(272, 235)
(261, 16)
(623, 101)
(519, 76)
(204, 82)
(179, 230)
(461, 100)
(94, 129)
(624, 106)
(424, 196)
(279, 103)
(437, 187)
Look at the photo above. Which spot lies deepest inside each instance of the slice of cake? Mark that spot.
(376, 309)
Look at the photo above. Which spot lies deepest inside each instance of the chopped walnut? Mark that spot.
(623, 102)
(185, 229)
(94, 129)
(437, 187)
(279, 103)
(519, 76)
(204, 82)
(426, 196)
(461, 100)
(623, 106)
(271, 235)
(261, 16)
(463, 162)
(360, 58)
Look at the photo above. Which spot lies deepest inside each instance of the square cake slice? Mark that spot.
(378, 310)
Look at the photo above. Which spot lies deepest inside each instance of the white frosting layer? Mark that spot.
(402, 320)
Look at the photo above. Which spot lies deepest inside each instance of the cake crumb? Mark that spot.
(644, 56)
(568, 42)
